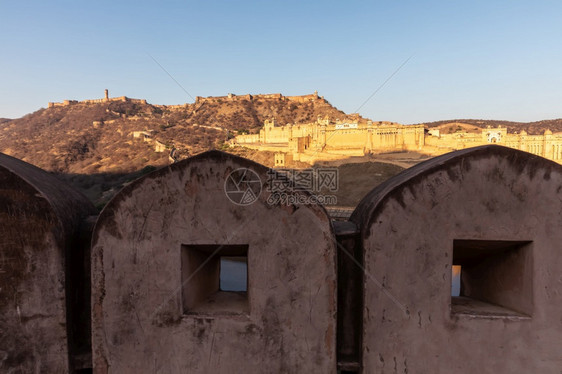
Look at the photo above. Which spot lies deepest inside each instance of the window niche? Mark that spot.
(214, 279)
(496, 278)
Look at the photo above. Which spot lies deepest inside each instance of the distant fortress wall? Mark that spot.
(277, 96)
(172, 107)
(106, 99)
(547, 145)
(249, 139)
(198, 100)
(324, 139)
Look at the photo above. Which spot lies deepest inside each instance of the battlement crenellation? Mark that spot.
(248, 97)
(106, 99)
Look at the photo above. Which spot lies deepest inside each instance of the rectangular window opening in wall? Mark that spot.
(234, 273)
(456, 278)
(492, 278)
(215, 279)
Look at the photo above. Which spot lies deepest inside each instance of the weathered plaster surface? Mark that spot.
(408, 227)
(38, 217)
(138, 324)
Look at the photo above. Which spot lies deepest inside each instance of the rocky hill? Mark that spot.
(100, 144)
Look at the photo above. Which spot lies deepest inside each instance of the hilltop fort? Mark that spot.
(199, 99)
(106, 99)
(276, 96)
(329, 139)
(110, 140)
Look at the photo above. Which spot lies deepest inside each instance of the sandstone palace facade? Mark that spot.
(328, 140)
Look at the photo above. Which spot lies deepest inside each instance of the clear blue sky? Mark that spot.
(471, 59)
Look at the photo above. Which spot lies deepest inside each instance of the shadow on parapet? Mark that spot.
(44, 271)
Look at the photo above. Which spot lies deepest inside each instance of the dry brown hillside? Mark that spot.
(92, 144)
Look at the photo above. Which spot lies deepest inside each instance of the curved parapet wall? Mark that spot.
(494, 213)
(39, 222)
(157, 297)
